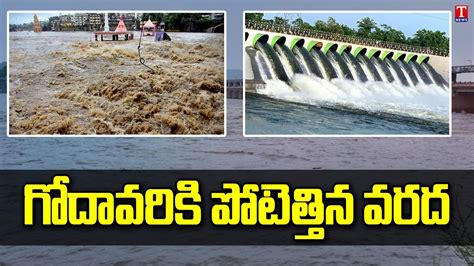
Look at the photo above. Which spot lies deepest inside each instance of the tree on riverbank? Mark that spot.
(191, 22)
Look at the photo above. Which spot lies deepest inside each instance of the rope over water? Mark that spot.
(141, 59)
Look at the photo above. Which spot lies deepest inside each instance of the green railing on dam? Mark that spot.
(291, 30)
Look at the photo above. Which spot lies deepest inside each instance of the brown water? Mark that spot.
(67, 83)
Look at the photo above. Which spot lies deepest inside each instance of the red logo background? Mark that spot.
(461, 13)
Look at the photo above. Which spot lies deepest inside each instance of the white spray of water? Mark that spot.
(336, 66)
(352, 69)
(429, 73)
(418, 75)
(421, 101)
(303, 66)
(380, 70)
(406, 75)
(263, 64)
(285, 61)
(323, 69)
(394, 73)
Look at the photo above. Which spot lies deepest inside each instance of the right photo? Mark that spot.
(358, 73)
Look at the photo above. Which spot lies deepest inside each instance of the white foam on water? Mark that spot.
(422, 101)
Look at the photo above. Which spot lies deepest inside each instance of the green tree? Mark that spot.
(365, 27)
(428, 38)
(333, 26)
(281, 21)
(388, 34)
(320, 26)
(299, 23)
(254, 16)
(348, 31)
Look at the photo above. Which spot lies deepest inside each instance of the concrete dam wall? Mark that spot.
(280, 55)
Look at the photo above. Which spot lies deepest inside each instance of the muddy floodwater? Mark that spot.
(68, 83)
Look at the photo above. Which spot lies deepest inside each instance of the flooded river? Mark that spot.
(68, 83)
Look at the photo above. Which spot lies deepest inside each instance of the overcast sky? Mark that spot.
(463, 33)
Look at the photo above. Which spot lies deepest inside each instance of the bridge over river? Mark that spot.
(463, 92)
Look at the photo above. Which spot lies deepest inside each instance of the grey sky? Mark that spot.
(463, 33)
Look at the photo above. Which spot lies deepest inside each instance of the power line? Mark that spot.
(431, 16)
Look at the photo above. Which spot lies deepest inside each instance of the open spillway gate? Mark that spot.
(279, 55)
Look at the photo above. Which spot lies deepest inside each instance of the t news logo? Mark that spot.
(461, 13)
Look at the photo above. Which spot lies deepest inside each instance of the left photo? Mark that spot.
(120, 73)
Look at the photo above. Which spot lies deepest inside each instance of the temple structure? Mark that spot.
(36, 24)
(121, 26)
(149, 28)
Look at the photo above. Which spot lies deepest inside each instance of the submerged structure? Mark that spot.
(160, 34)
(121, 26)
(281, 53)
(149, 28)
(120, 30)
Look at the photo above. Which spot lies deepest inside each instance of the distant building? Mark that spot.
(66, 23)
(88, 22)
(80, 20)
(95, 21)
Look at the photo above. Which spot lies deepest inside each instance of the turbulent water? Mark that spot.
(67, 83)
(236, 152)
(343, 94)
